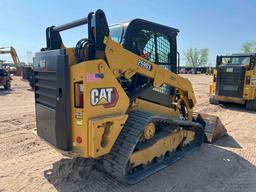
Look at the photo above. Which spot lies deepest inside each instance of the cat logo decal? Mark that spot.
(107, 97)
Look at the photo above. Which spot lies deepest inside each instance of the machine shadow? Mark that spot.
(236, 107)
(4, 92)
(207, 168)
(227, 141)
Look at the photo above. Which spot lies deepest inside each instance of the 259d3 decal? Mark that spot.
(144, 65)
(107, 97)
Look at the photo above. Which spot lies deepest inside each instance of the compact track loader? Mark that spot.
(234, 80)
(116, 97)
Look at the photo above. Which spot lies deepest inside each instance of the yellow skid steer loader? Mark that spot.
(116, 97)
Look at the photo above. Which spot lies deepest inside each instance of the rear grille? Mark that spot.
(230, 78)
(230, 84)
(45, 88)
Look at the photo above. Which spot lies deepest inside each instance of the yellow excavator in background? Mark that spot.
(15, 58)
(116, 97)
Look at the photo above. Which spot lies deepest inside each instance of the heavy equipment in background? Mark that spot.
(28, 74)
(116, 97)
(234, 80)
(5, 78)
(11, 50)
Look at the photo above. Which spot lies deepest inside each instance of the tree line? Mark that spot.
(196, 57)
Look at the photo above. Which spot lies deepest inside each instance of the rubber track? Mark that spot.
(116, 161)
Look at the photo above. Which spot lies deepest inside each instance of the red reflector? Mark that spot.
(79, 139)
(248, 80)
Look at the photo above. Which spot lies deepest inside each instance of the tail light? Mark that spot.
(214, 78)
(248, 80)
(79, 94)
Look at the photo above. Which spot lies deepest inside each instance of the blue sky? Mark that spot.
(220, 25)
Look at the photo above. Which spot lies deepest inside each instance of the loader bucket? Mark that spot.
(214, 129)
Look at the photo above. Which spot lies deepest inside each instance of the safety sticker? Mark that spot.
(79, 118)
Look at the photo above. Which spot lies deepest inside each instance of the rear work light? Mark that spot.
(248, 80)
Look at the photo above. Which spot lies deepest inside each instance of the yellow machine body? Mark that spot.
(249, 89)
(122, 105)
(93, 123)
(98, 124)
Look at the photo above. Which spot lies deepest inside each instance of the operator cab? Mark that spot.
(238, 60)
(231, 72)
(154, 42)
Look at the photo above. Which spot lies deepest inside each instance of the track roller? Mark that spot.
(149, 143)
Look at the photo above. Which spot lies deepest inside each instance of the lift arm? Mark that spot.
(125, 63)
(13, 53)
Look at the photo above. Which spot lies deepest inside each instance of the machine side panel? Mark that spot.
(98, 108)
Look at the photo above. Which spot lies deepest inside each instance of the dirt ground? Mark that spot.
(29, 164)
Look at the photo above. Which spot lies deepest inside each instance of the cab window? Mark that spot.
(116, 32)
(153, 46)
